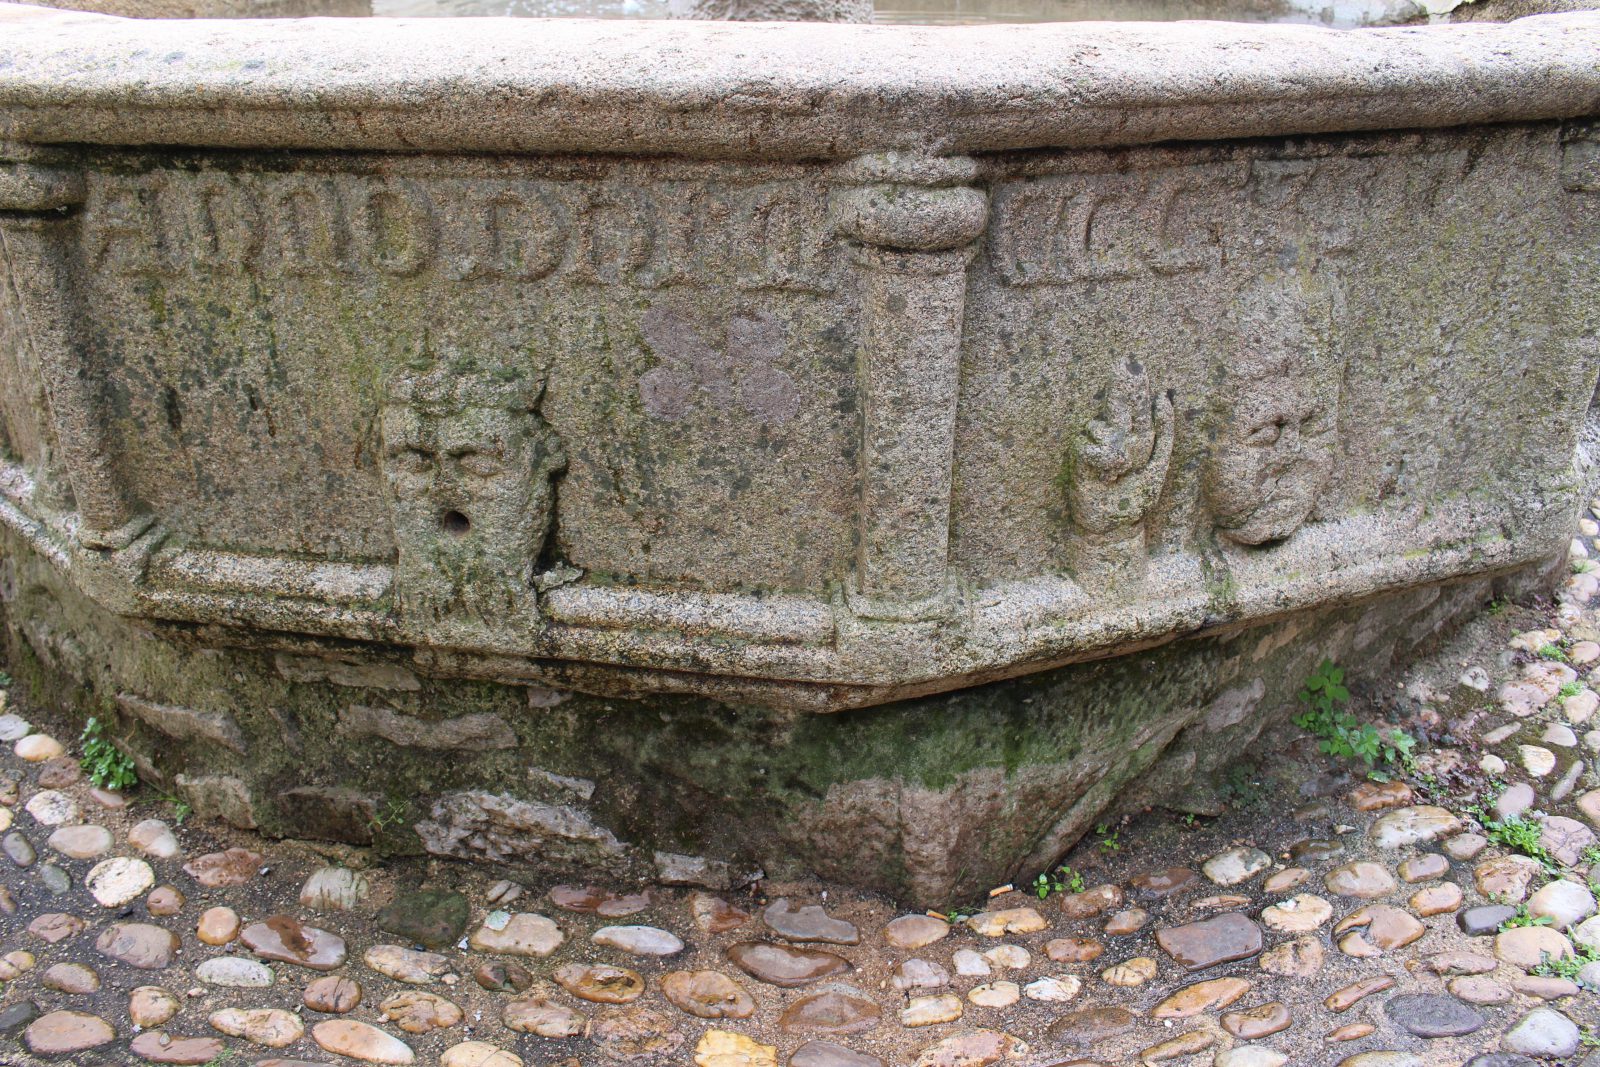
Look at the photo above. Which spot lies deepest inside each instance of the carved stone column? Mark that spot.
(913, 223)
(38, 237)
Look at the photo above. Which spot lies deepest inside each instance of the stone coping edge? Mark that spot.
(768, 91)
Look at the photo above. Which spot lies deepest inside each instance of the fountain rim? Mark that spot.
(770, 91)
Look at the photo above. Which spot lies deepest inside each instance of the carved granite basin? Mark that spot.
(433, 383)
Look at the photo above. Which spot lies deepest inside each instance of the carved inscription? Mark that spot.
(470, 467)
(1067, 228)
(599, 232)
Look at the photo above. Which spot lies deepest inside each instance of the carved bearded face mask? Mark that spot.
(1272, 455)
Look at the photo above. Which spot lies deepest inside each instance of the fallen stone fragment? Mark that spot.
(722, 1048)
(503, 976)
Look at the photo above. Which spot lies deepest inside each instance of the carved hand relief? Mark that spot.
(1277, 398)
(1115, 470)
(470, 467)
(739, 372)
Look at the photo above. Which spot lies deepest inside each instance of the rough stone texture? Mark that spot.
(458, 508)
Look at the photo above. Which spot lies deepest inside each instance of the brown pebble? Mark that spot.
(1347, 998)
(499, 976)
(1352, 1032)
(1255, 1023)
(164, 900)
(1073, 949)
(332, 994)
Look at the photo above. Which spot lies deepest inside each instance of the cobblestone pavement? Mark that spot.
(1443, 917)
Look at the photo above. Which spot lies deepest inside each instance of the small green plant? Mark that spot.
(1497, 608)
(1342, 734)
(1517, 833)
(1590, 857)
(959, 914)
(1522, 918)
(5, 680)
(1570, 689)
(392, 815)
(1582, 566)
(1062, 880)
(1186, 820)
(1553, 651)
(1566, 966)
(1108, 838)
(105, 764)
(1588, 1038)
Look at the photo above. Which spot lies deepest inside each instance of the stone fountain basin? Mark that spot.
(485, 386)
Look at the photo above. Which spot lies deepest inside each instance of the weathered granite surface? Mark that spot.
(360, 376)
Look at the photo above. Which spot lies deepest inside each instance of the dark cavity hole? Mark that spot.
(454, 523)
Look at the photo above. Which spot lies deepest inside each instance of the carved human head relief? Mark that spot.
(469, 465)
(1277, 396)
